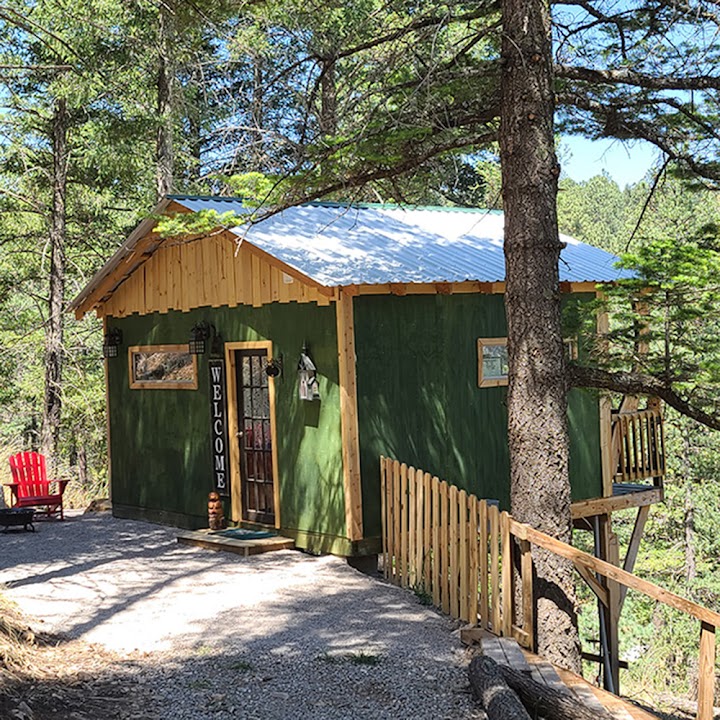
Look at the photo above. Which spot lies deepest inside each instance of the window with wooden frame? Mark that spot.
(492, 362)
(162, 367)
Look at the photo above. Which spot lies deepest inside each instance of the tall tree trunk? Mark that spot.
(194, 119)
(257, 117)
(165, 160)
(537, 393)
(328, 99)
(54, 331)
(689, 515)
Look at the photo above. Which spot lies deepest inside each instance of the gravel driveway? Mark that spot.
(202, 634)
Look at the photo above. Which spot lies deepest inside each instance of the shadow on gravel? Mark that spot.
(316, 639)
(329, 657)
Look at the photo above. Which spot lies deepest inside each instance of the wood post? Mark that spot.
(528, 600)
(507, 576)
(349, 417)
(610, 613)
(706, 672)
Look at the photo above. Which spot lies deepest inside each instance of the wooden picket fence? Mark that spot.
(454, 549)
(461, 552)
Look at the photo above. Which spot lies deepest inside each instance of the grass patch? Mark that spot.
(423, 596)
(328, 658)
(16, 639)
(360, 658)
(241, 665)
(199, 684)
(364, 659)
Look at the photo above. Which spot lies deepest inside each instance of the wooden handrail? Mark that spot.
(525, 532)
(461, 551)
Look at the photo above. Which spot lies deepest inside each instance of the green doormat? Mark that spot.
(240, 534)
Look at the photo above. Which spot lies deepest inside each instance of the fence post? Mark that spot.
(526, 574)
(507, 575)
(384, 512)
(706, 672)
(436, 592)
(474, 567)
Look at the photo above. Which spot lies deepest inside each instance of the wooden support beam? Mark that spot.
(528, 600)
(634, 546)
(593, 583)
(605, 505)
(610, 610)
(594, 658)
(349, 416)
(606, 455)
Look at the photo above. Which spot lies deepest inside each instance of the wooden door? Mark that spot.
(254, 436)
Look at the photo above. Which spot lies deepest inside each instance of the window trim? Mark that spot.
(160, 384)
(494, 381)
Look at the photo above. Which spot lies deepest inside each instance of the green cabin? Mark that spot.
(276, 362)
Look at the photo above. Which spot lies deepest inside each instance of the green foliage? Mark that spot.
(197, 224)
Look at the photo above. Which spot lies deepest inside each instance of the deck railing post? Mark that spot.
(706, 672)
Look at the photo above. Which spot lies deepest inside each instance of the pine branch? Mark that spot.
(624, 76)
(630, 383)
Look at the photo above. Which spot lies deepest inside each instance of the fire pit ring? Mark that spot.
(15, 517)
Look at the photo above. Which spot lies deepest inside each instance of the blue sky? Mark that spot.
(626, 163)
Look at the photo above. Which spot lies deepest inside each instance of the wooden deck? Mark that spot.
(506, 651)
(206, 539)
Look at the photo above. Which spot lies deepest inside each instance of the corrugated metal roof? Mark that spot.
(338, 244)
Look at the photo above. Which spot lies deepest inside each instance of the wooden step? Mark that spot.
(204, 539)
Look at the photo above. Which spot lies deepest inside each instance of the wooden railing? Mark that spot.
(639, 445)
(460, 552)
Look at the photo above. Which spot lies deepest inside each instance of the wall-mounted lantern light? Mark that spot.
(307, 377)
(200, 335)
(112, 342)
(274, 367)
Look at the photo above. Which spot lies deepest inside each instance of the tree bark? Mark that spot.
(490, 688)
(165, 160)
(537, 393)
(328, 99)
(689, 516)
(52, 407)
(543, 701)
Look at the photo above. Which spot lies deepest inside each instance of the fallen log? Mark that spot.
(541, 700)
(490, 688)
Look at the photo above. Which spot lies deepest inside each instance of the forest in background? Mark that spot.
(108, 105)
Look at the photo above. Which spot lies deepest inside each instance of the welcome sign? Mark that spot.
(218, 426)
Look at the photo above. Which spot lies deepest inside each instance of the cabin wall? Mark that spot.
(419, 400)
(160, 439)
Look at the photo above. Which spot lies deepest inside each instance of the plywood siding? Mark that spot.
(209, 272)
(160, 438)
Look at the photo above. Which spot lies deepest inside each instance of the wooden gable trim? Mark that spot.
(203, 271)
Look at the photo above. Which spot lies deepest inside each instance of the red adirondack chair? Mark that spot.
(30, 486)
